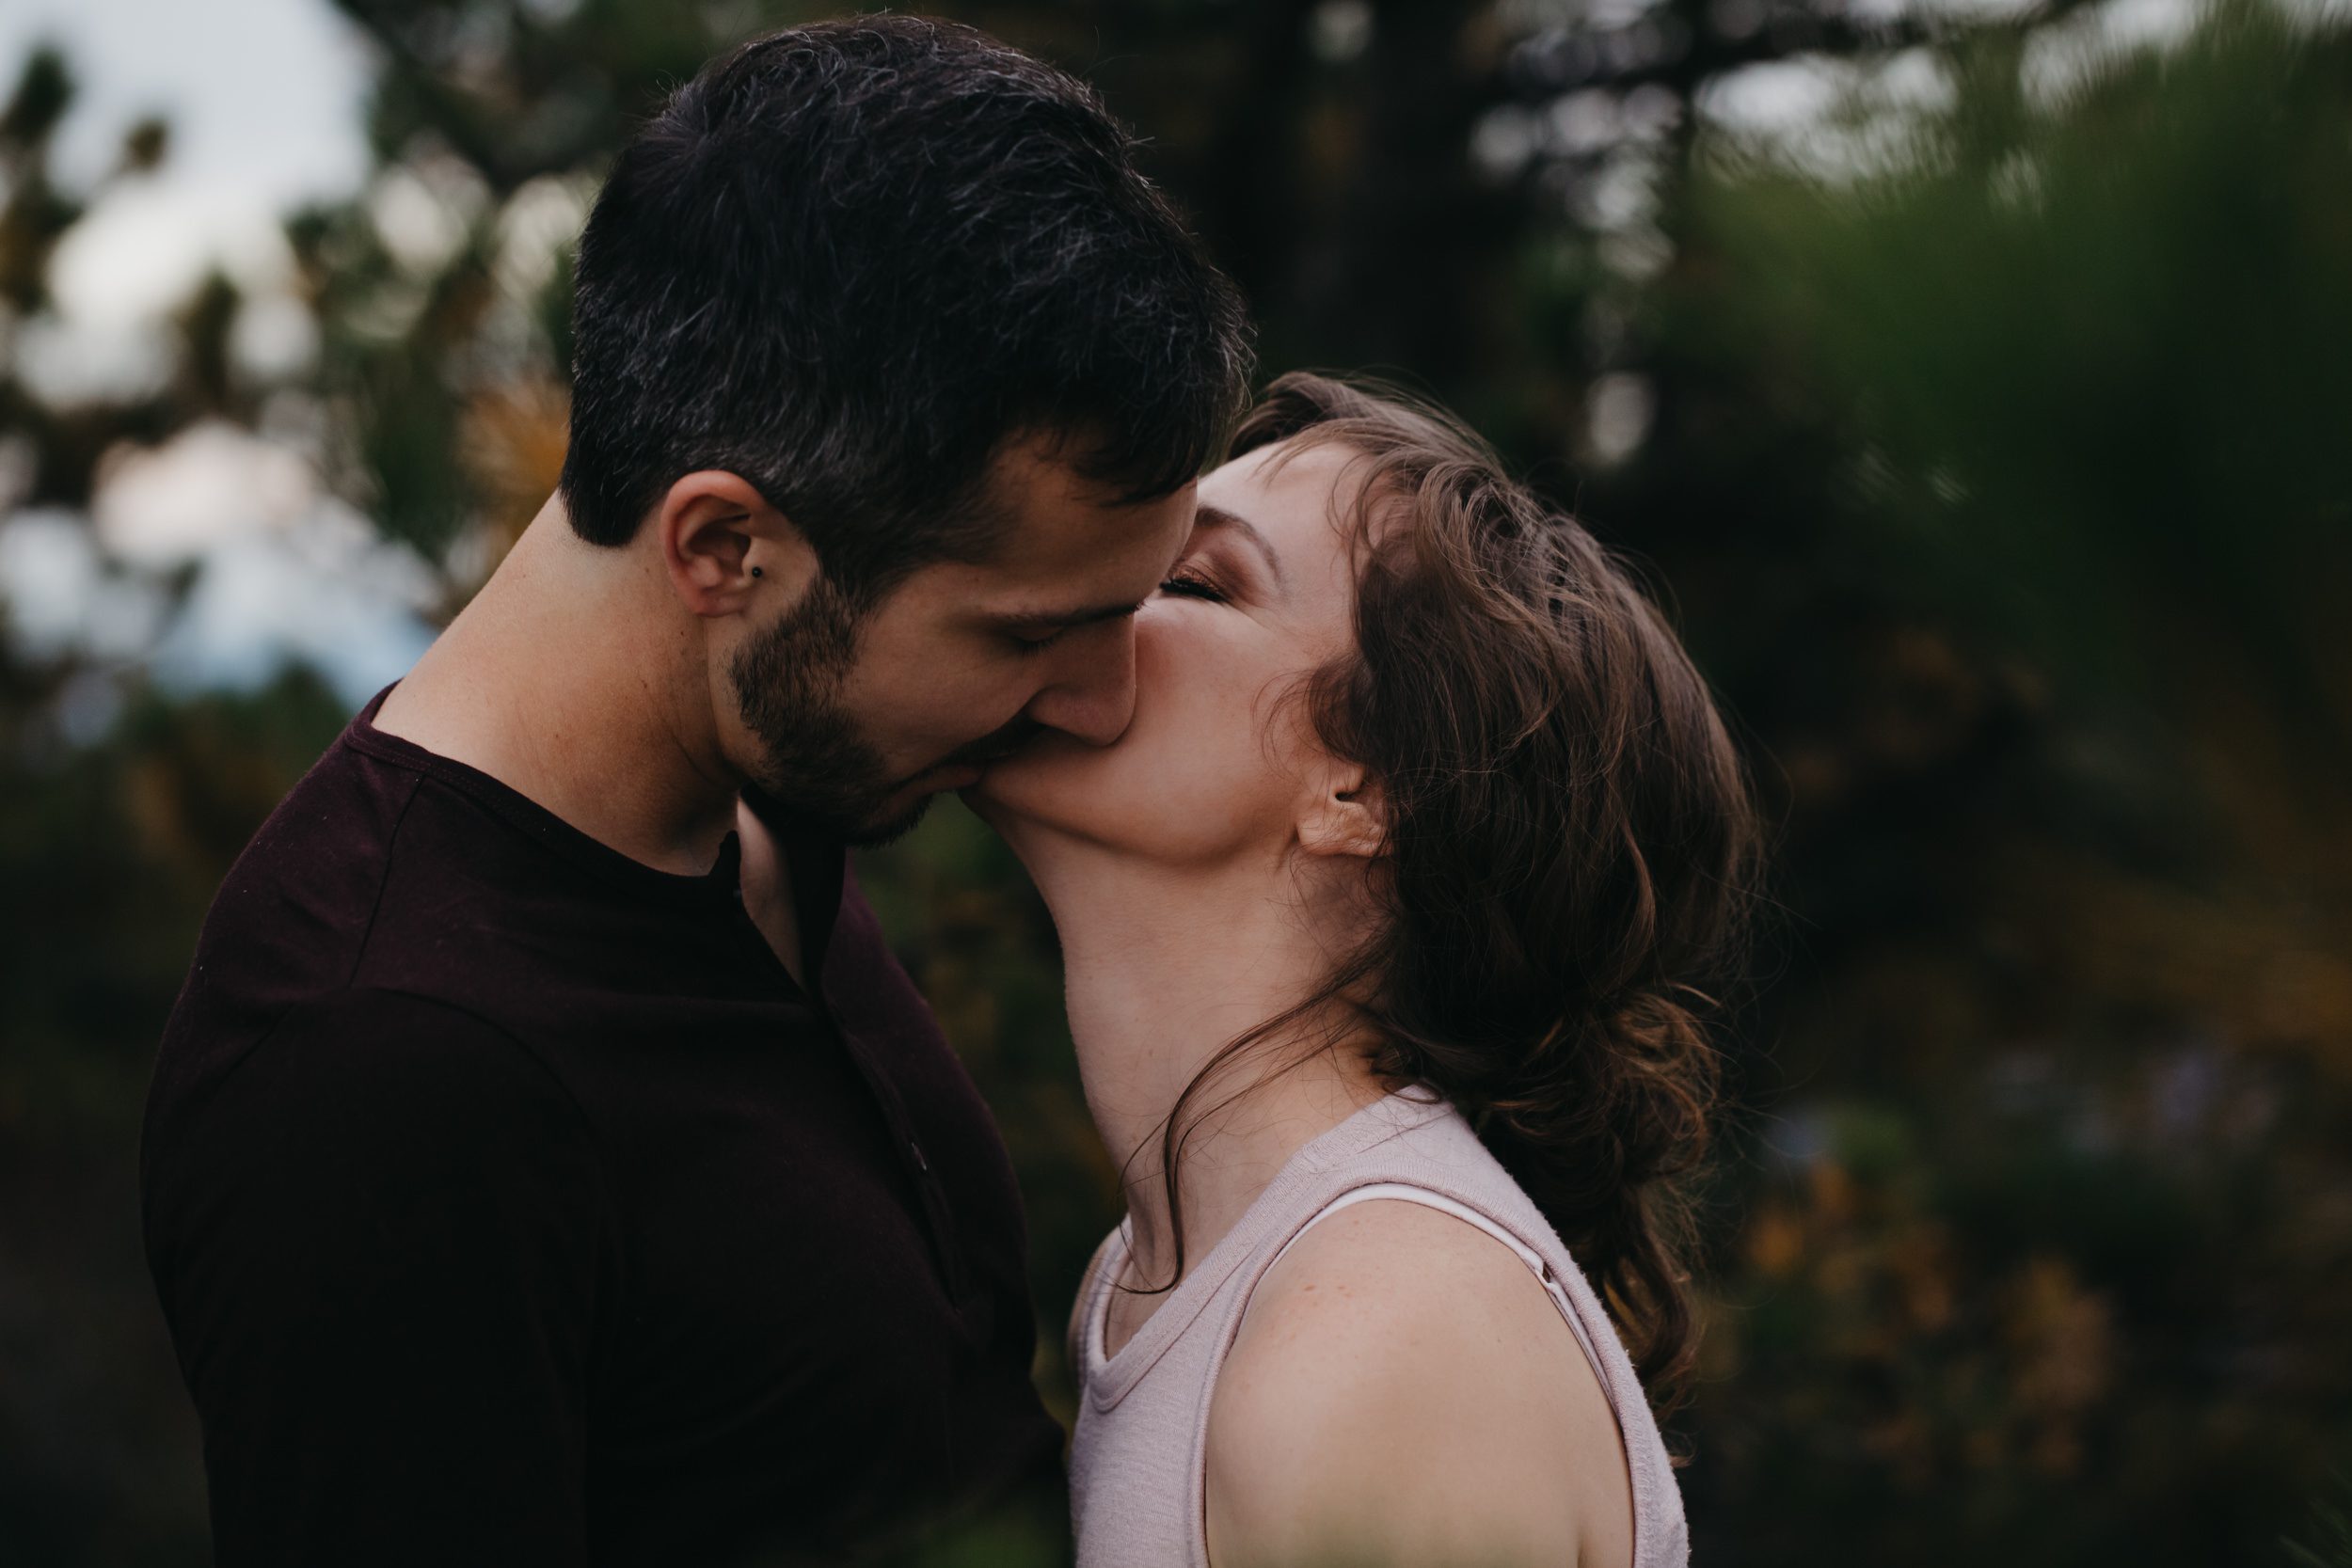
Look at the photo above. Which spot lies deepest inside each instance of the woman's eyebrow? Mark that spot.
(1216, 516)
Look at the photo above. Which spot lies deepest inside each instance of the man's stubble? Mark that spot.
(788, 683)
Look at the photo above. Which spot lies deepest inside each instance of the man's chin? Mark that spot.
(888, 826)
(861, 825)
(874, 824)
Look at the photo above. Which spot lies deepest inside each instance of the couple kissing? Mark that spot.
(546, 1162)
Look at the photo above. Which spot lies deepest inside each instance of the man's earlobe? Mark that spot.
(721, 541)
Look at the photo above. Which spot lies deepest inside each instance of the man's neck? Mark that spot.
(1162, 969)
(575, 678)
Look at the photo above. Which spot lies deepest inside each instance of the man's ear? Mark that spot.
(1347, 815)
(724, 547)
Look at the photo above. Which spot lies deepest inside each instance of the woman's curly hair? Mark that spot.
(1570, 842)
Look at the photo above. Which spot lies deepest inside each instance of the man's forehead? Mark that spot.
(1047, 469)
(1061, 550)
(1051, 518)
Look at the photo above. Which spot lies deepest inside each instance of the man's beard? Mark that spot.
(813, 762)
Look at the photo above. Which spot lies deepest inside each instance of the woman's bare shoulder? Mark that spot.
(1403, 1389)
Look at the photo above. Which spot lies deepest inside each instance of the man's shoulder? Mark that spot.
(293, 915)
(415, 1061)
(362, 1056)
(354, 1087)
(281, 992)
(370, 1140)
(348, 796)
(376, 1011)
(294, 911)
(374, 877)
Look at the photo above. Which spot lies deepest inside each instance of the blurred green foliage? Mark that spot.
(1991, 435)
(2331, 1545)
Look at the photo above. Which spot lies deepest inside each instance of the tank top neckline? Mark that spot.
(1109, 1378)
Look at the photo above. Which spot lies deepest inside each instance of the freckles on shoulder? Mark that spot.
(1403, 1389)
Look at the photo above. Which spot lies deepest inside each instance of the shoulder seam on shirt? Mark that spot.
(382, 880)
(462, 779)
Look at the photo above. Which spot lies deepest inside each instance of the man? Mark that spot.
(509, 1198)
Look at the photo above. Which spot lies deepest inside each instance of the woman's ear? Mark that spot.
(1347, 815)
(724, 547)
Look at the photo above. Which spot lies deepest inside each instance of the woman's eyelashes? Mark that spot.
(1187, 584)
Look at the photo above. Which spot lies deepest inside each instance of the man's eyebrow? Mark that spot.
(1216, 516)
(1063, 619)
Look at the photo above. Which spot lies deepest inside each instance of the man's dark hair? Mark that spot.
(849, 260)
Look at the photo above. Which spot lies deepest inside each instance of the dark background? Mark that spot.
(1990, 429)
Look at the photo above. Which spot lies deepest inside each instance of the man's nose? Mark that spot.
(1092, 692)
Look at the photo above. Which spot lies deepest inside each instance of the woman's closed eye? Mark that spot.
(1191, 585)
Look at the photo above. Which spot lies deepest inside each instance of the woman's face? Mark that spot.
(1217, 765)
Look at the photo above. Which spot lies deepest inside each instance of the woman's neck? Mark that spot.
(1162, 969)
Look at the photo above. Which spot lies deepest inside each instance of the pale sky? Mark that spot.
(264, 98)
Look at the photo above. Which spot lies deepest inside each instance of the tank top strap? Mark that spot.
(1406, 1192)
(1424, 1144)
(1207, 1297)
(1094, 1291)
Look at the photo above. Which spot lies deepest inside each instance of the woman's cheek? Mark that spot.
(1230, 749)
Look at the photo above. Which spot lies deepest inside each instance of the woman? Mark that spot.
(1424, 823)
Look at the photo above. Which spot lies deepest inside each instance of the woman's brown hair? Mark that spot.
(1569, 837)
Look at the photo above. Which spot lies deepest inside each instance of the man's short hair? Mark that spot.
(848, 261)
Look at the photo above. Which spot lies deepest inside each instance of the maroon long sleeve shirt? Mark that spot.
(510, 1203)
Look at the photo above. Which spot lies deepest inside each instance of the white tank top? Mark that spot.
(1137, 1477)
